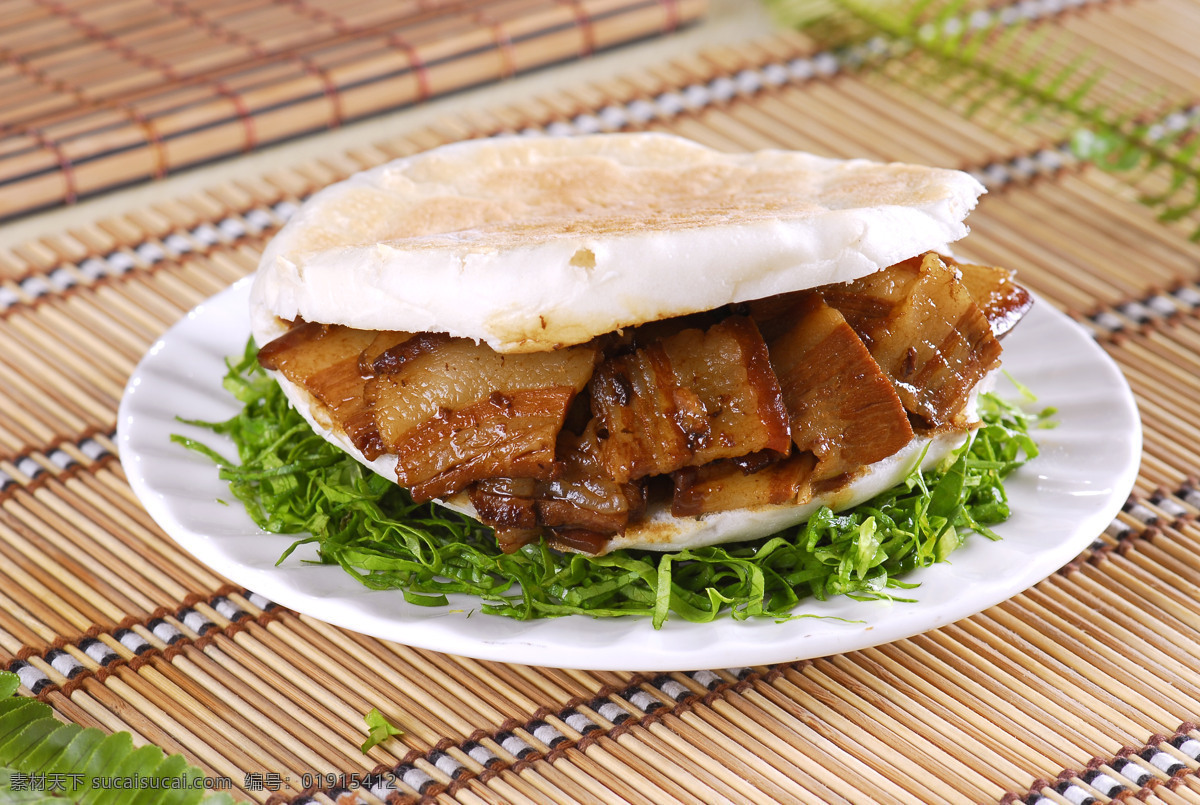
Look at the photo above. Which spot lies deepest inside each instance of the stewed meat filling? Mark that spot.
(763, 403)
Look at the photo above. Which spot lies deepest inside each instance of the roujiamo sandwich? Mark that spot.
(633, 340)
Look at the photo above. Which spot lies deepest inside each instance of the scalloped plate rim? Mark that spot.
(1062, 502)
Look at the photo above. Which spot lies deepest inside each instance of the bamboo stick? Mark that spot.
(322, 730)
(430, 716)
(641, 785)
(803, 743)
(965, 647)
(881, 747)
(783, 776)
(950, 722)
(56, 579)
(40, 614)
(1103, 665)
(992, 715)
(1087, 714)
(315, 675)
(550, 781)
(594, 782)
(1166, 675)
(728, 777)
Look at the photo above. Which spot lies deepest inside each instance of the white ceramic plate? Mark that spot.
(1061, 503)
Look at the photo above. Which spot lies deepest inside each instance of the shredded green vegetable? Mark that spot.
(379, 729)
(293, 481)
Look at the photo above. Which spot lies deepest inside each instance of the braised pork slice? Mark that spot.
(388, 351)
(693, 397)
(324, 358)
(840, 404)
(455, 412)
(579, 507)
(1002, 301)
(926, 333)
(739, 483)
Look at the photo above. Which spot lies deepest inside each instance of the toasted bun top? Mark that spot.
(530, 243)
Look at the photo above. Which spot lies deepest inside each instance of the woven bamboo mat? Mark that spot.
(1086, 688)
(97, 94)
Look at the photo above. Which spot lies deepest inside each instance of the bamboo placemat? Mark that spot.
(97, 94)
(1086, 688)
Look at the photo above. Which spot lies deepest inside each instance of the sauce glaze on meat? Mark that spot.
(763, 403)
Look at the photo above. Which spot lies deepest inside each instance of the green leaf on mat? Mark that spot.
(379, 729)
(46, 762)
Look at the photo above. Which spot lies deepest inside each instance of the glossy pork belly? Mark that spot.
(922, 327)
(324, 359)
(767, 403)
(841, 407)
(693, 397)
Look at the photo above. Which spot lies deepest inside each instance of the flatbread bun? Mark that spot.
(529, 244)
(532, 243)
